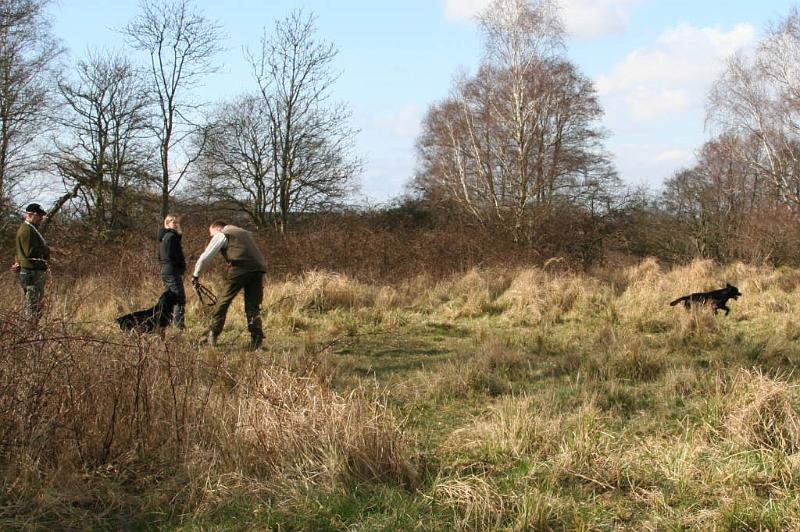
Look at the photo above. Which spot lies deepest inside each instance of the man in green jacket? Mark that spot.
(32, 256)
(245, 269)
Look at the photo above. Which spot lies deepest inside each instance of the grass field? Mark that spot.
(528, 399)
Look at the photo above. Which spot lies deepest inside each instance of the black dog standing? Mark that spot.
(718, 297)
(153, 319)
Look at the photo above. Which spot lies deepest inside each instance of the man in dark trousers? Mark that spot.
(32, 256)
(245, 269)
(173, 265)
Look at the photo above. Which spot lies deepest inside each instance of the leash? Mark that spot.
(205, 295)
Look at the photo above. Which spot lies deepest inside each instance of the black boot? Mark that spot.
(255, 342)
(256, 332)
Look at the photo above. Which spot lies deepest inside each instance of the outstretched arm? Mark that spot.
(216, 245)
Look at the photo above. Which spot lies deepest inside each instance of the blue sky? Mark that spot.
(652, 62)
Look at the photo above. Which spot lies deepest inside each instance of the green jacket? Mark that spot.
(32, 250)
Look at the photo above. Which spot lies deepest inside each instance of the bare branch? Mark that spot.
(182, 45)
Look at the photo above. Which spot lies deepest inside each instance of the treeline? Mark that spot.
(518, 149)
(118, 128)
(413, 238)
(512, 165)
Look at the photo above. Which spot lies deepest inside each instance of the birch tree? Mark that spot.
(522, 133)
(758, 98)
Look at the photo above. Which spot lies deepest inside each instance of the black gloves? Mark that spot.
(195, 281)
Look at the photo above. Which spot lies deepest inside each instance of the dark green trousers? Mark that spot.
(253, 286)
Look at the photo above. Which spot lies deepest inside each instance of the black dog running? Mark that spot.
(718, 297)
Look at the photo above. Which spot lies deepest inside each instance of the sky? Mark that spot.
(652, 63)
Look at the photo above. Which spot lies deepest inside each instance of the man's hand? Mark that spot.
(195, 281)
(16, 267)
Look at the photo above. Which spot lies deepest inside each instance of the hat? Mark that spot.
(35, 208)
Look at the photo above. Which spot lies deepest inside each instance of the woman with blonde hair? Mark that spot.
(173, 265)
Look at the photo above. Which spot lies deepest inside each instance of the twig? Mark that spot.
(592, 480)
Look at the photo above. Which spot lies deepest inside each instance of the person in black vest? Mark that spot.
(173, 265)
(32, 256)
(245, 267)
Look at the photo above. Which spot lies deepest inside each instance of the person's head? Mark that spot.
(216, 227)
(172, 221)
(34, 214)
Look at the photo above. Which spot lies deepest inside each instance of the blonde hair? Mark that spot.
(171, 218)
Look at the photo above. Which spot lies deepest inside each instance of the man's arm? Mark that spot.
(24, 242)
(218, 242)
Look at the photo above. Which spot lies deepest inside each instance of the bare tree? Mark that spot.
(716, 201)
(181, 44)
(522, 133)
(759, 98)
(311, 142)
(238, 158)
(101, 148)
(518, 35)
(28, 62)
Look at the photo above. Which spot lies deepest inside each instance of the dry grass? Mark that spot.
(292, 427)
(473, 501)
(761, 412)
(70, 398)
(492, 399)
(81, 398)
(516, 426)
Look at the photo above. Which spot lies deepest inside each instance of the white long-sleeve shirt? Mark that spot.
(218, 243)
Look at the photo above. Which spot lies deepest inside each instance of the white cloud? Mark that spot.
(648, 103)
(594, 19)
(405, 122)
(674, 156)
(650, 163)
(583, 19)
(673, 74)
(463, 10)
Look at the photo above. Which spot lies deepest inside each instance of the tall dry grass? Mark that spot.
(569, 374)
(295, 426)
(759, 412)
(78, 397)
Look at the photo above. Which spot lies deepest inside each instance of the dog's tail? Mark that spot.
(684, 298)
